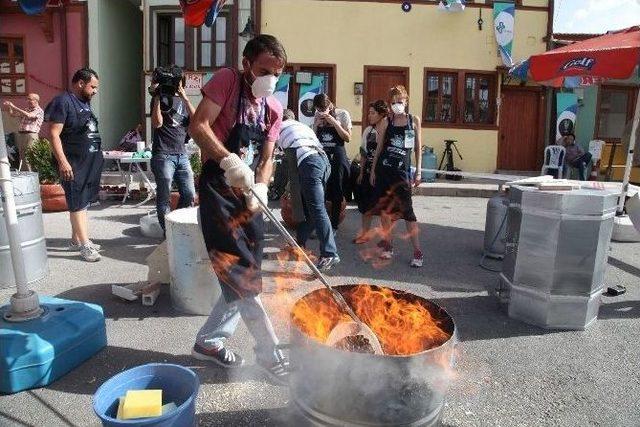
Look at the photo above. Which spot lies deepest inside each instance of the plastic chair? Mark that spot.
(553, 159)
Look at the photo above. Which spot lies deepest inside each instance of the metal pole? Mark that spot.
(24, 303)
(627, 167)
(145, 36)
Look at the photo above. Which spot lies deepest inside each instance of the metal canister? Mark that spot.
(331, 386)
(26, 190)
(495, 227)
(429, 161)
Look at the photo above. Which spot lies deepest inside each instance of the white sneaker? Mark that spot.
(73, 246)
(90, 254)
(387, 250)
(418, 259)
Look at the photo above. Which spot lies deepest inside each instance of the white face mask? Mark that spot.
(397, 107)
(264, 86)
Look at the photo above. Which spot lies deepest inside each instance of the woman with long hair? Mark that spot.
(378, 110)
(398, 138)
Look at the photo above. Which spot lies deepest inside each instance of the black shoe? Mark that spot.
(278, 371)
(223, 357)
(327, 262)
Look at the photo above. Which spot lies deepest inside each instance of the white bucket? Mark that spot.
(194, 285)
(150, 226)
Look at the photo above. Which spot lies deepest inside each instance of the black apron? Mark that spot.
(367, 197)
(233, 235)
(393, 171)
(333, 146)
(82, 148)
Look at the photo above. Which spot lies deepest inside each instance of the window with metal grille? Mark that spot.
(171, 41)
(214, 44)
(440, 97)
(459, 98)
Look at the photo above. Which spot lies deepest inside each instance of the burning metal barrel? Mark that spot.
(347, 384)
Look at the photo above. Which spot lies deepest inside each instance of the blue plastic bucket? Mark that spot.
(178, 384)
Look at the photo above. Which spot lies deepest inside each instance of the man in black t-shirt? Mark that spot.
(170, 161)
(76, 145)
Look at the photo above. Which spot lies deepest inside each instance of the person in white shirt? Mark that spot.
(313, 173)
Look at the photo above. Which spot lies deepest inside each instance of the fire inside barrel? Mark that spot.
(402, 323)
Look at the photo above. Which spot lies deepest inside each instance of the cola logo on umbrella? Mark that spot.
(584, 63)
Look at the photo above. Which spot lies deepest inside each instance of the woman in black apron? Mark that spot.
(367, 199)
(332, 134)
(398, 138)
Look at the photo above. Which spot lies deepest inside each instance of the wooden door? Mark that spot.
(521, 132)
(378, 81)
(327, 71)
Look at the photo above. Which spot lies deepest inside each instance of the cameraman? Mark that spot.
(170, 113)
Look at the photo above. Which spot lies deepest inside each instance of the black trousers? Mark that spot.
(335, 187)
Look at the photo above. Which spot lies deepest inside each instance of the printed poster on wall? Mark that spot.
(306, 111)
(567, 108)
(193, 83)
(503, 23)
(282, 90)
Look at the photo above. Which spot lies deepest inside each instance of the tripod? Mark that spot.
(448, 155)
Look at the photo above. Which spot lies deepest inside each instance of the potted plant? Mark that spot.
(40, 156)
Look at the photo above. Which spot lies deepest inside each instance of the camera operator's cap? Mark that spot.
(195, 11)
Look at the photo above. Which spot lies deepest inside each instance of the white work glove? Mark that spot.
(237, 172)
(261, 190)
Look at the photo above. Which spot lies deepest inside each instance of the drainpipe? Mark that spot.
(64, 44)
(145, 62)
(549, 91)
(145, 35)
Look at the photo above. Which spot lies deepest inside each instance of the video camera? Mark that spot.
(168, 80)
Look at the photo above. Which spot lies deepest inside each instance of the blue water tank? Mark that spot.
(37, 352)
(429, 161)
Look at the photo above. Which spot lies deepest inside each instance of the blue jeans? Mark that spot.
(166, 168)
(314, 173)
(223, 321)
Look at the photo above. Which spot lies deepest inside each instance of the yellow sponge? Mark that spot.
(120, 405)
(142, 403)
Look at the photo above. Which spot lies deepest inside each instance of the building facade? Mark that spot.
(449, 64)
(39, 53)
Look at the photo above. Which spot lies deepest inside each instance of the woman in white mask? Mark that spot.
(367, 200)
(398, 138)
(333, 129)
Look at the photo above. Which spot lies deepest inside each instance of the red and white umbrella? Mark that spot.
(615, 55)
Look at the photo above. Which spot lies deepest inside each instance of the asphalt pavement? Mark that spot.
(508, 373)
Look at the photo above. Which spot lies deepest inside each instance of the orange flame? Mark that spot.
(402, 325)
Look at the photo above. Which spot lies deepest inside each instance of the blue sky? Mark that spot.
(595, 16)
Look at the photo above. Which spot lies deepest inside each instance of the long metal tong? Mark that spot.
(362, 328)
